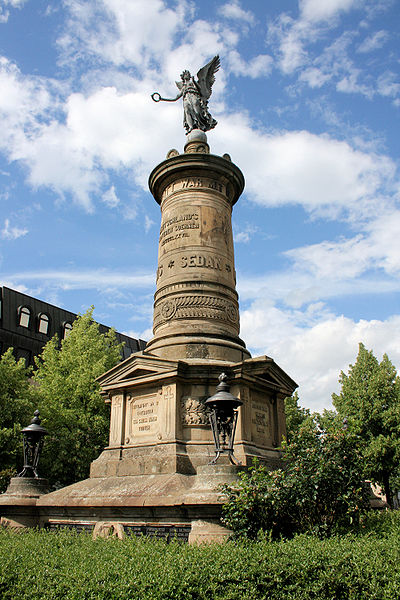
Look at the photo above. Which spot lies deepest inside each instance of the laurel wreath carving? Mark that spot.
(205, 307)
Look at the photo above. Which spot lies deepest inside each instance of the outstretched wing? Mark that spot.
(206, 76)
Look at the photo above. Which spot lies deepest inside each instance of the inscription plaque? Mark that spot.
(260, 422)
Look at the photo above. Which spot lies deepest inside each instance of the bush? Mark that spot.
(49, 566)
(319, 490)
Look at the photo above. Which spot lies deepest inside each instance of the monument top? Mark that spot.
(195, 95)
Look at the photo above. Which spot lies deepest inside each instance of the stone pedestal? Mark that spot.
(18, 503)
(154, 474)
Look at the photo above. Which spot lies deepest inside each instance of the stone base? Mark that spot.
(18, 503)
(169, 505)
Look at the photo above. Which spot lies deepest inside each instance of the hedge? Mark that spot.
(41, 565)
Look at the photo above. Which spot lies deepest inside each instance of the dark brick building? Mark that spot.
(27, 324)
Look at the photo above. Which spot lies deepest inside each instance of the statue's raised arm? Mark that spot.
(195, 96)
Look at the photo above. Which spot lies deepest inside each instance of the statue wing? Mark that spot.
(206, 76)
(179, 85)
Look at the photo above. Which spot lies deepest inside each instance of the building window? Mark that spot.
(43, 325)
(24, 316)
(67, 330)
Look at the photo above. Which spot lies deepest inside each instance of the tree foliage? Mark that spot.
(370, 401)
(74, 411)
(16, 411)
(319, 489)
(295, 415)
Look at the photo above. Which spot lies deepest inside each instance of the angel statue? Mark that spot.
(195, 95)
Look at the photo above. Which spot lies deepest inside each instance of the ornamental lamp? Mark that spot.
(223, 419)
(33, 438)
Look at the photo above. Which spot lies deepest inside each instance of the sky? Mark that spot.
(307, 102)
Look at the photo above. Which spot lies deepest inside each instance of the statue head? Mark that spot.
(185, 75)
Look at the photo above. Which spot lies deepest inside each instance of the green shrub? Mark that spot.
(49, 566)
(319, 490)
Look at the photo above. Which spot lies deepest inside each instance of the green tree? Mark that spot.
(16, 411)
(370, 401)
(319, 489)
(295, 415)
(74, 412)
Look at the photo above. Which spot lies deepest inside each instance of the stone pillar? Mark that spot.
(196, 312)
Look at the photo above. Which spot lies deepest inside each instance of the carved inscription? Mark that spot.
(178, 227)
(144, 414)
(198, 260)
(260, 426)
(194, 182)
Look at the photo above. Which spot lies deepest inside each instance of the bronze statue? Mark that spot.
(195, 96)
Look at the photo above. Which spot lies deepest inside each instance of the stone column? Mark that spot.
(196, 312)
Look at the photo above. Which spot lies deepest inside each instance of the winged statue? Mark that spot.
(195, 95)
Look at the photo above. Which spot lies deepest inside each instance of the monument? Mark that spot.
(155, 475)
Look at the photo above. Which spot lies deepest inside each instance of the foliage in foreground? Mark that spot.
(50, 566)
(318, 490)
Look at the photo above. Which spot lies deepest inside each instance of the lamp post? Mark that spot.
(33, 437)
(223, 419)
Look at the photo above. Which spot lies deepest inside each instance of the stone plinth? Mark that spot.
(18, 503)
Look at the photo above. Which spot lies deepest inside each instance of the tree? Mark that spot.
(16, 411)
(319, 488)
(295, 415)
(70, 403)
(370, 401)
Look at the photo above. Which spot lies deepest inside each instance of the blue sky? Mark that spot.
(307, 101)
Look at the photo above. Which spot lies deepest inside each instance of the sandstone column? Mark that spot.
(196, 312)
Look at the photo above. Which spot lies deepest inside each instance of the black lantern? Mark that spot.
(33, 436)
(223, 419)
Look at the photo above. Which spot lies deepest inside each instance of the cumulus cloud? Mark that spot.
(324, 175)
(314, 346)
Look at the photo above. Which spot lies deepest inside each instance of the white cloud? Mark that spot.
(244, 235)
(259, 66)
(314, 346)
(373, 42)
(148, 223)
(388, 84)
(317, 10)
(4, 13)
(12, 233)
(110, 197)
(324, 175)
(233, 10)
(93, 279)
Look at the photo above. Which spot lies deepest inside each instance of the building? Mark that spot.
(27, 324)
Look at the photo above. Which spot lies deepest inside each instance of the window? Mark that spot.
(24, 316)
(67, 329)
(43, 325)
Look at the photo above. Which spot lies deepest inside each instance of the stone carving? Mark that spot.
(203, 307)
(194, 411)
(107, 529)
(195, 95)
